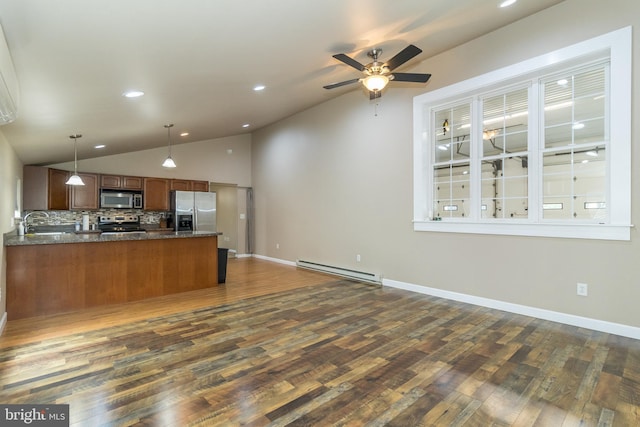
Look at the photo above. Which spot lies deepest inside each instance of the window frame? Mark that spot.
(616, 48)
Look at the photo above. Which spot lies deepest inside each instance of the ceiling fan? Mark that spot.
(378, 74)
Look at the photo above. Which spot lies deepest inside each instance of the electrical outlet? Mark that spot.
(358, 258)
(582, 289)
(277, 245)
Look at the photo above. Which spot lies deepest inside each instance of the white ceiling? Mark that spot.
(198, 60)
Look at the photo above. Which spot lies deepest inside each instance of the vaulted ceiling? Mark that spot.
(197, 62)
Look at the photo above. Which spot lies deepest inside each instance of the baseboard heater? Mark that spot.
(344, 272)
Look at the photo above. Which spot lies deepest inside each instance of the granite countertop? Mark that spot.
(11, 239)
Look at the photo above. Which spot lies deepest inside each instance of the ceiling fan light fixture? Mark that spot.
(375, 82)
(75, 178)
(168, 162)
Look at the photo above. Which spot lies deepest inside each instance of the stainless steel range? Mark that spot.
(112, 224)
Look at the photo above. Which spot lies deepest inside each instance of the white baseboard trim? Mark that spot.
(554, 316)
(243, 255)
(279, 261)
(3, 322)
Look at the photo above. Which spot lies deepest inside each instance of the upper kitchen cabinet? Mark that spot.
(121, 182)
(156, 194)
(200, 185)
(58, 194)
(132, 182)
(189, 185)
(44, 189)
(85, 196)
(180, 185)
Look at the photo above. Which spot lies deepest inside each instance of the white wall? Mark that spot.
(204, 160)
(336, 181)
(10, 174)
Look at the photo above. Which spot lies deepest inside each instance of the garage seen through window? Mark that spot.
(540, 148)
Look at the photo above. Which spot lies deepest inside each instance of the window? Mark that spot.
(451, 165)
(575, 144)
(533, 154)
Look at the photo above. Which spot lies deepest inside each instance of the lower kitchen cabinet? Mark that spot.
(45, 279)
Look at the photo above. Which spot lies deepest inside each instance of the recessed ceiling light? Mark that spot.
(133, 93)
(258, 88)
(184, 134)
(246, 125)
(100, 146)
(507, 3)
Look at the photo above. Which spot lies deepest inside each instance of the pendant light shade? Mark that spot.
(75, 178)
(168, 162)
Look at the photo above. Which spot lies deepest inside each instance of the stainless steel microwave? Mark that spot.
(118, 199)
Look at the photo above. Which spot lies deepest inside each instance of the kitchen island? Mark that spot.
(49, 274)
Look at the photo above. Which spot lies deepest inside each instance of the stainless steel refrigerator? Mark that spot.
(193, 210)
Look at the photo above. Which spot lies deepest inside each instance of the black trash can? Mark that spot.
(222, 264)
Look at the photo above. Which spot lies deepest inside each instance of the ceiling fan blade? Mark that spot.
(403, 56)
(411, 77)
(349, 61)
(373, 94)
(344, 83)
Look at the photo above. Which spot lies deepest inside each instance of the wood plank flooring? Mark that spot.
(279, 346)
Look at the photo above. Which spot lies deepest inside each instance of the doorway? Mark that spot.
(226, 215)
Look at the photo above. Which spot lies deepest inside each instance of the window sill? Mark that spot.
(570, 231)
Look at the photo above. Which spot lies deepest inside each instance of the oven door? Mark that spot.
(115, 200)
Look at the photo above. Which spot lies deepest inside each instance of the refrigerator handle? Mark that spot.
(195, 218)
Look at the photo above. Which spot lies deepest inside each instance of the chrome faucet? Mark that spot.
(24, 220)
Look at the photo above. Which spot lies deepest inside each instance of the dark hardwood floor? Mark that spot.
(281, 346)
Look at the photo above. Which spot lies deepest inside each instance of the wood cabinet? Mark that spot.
(200, 185)
(189, 185)
(156, 194)
(180, 185)
(110, 181)
(45, 189)
(35, 188)
(85, 196)
(58, 190)
(132, 182)
(121, 182)
(45, 279)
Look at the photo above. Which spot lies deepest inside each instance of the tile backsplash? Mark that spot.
(62, 218)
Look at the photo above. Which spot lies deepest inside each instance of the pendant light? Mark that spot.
(169, 163)
(75, 178)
